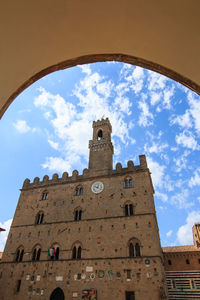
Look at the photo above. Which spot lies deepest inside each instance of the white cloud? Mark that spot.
(182, 120)
(184, 233)
(195, 180)
(167, 95)
(123, 104)
(85, 69)
(161, 196)
(134, 76)
(181, 161)
(54, 145)
(22, 126)
(169, 233)
(155, 147)
(4, 234)
(157, 171)
(43, 99)
(146, 117)
(105, 88)
(186, 139)
(181, 200)
(47, 115)
(160, 93)
(156, 81)
(57, 164)
(155, 97)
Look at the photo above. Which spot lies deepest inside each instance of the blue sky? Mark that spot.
(47, 128)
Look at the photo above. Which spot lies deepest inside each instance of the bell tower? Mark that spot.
(101, 147)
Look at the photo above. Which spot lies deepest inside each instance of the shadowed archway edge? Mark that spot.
(103, 58)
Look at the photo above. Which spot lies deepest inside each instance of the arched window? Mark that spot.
(128, 210)
(137, 249)
(57, 253)
(134, 248)
(36, 253)
(44, 195)
(79, 190)
(76, 251)
(78, 214)
(99, 135)
(128, 183)
(39, 218)
(131, 250)
(79, 252)
(19, 254)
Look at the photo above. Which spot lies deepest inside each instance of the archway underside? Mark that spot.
(103, 58)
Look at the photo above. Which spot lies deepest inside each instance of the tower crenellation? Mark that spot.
(85, 175)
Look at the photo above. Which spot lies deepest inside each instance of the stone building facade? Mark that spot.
(182, 266)
(89, 236)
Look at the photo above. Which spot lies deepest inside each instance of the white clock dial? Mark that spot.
(97, 187)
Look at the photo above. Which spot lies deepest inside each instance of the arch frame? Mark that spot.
(92, 58)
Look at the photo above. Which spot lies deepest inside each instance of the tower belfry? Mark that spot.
(101, 147)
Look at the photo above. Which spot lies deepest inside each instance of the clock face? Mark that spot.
(97, 187)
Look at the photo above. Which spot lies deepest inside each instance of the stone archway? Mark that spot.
(57, 294)
(158, 35)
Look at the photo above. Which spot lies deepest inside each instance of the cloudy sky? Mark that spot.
(47, 128)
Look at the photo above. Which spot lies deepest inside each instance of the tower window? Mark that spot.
(19, 254)
(76, 252)
(131, 250)
(39, 218)
(78, 215)
(128, 210)
(18, 285)
(187, 261)
(79, 191)
(79, 252)
(128, 183)
(169, 262)
(128, 274)
(100, 135)
(36, 253)
(44, 196)
(134, 248)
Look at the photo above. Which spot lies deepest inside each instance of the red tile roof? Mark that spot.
(1, 229)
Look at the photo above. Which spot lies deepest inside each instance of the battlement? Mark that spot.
(86, 174)
(102, 123)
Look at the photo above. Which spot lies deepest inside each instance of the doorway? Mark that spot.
(57, 294)
(130, 295)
